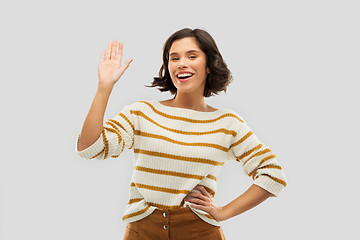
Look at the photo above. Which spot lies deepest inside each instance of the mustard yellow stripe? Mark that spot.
(189, 119)
(241, 140)
(271, 166)
(211, 177)
(106, 143)
(266, 150)
(169, 173)
(134, 200)
(159, 189)
(229, 132)
(98, 154)
(123, 145)
(116, 132)
(127, 120)
(115, 127)
(210, 191)
(114, 122)
(120, 125)
(254, 172)
(177, 157)
(267, 158)
(249, 152)
(135, 213)
(151, 135)
(209, 216)
(275, 179)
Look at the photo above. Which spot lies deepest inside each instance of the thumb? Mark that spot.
(126, 64)
(102, 58)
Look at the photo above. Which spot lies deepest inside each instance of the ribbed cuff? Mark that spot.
(269, 185)
(92, 150)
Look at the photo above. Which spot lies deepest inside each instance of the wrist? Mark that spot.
(105, 87)
(223, 214)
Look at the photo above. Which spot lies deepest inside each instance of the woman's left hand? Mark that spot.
(203, 201)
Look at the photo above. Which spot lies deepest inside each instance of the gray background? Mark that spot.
(296, 72)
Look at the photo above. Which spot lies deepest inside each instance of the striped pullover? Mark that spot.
(176, 149)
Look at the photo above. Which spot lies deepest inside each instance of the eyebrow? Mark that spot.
(190, 51)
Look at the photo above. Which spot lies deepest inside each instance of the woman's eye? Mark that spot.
(176, 58)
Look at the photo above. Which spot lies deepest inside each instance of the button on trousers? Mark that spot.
(177, 224)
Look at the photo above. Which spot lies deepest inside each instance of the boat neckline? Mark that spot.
(185, 109)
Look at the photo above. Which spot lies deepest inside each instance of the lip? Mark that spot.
(184, 80)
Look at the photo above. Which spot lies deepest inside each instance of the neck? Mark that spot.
(191, 102)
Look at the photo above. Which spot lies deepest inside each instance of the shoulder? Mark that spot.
(237, 117)
(140, 105)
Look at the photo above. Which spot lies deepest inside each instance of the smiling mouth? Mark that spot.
(184, 77)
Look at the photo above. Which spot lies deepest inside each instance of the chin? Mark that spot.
(186, 90)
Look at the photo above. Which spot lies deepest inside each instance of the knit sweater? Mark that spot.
(176, 149)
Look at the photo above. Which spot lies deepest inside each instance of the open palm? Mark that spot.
(110, 68)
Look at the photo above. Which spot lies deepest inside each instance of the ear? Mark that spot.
(207, 70)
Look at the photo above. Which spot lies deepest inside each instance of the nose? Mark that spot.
(182, 63)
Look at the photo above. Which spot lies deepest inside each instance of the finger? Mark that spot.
(195, 200)
(113, 50)
(198, 195)
(126, 64)
(200, 207)
(203, 190)
(108, 51)
(102, 58)
(120, 53)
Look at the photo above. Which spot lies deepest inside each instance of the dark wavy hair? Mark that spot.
(219, 77)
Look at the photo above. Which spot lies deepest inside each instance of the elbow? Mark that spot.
(92, 151)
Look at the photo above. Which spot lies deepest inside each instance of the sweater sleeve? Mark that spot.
(258, 160)
(117, 134)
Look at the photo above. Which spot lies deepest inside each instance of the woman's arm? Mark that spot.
(109, 72)
(93, 124)
(249, 199)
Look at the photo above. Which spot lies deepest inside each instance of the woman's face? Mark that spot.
(187, 65)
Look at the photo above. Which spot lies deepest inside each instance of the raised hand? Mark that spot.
(110, 69)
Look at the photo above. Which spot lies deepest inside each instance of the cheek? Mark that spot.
(200, 66)
(171, 68)
(171, 71)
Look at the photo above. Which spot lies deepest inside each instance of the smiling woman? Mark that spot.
(187, 66)
(180, 144)
(197, 42)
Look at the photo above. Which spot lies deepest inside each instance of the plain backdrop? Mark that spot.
(296, 83)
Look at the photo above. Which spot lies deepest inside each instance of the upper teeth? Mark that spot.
(185, 75)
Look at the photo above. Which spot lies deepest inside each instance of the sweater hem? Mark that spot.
(141, 216)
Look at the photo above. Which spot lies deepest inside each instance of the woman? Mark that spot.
(179, 144)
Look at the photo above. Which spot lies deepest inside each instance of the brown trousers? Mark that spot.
(176, 224)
